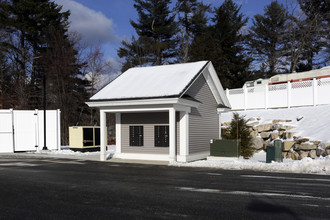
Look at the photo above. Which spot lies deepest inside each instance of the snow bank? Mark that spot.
(66, 151)
(314, 123)
(258, 163)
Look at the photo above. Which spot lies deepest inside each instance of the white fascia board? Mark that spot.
(143, 102)
(146, 108)
(213, 81)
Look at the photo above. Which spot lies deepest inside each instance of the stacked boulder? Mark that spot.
(294, 147)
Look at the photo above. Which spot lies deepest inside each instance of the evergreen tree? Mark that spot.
(191, 18)
(135, 53)
(156, 31)
(266, 37)
(25, 22)
(222, 43)
(243, 134)
(66, 86)
(36, 46)
(202, 37)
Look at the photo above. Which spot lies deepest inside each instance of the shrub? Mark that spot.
(243, 134)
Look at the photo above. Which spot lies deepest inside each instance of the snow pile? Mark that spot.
(310, 122)
(319, 165)
(66, 151)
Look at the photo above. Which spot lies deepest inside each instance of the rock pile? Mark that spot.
(294, 147)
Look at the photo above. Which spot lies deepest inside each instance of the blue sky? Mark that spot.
(106, 22)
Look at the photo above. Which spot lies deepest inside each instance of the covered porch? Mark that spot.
(177, 112)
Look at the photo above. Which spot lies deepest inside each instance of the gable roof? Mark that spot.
(151, 82)
(167, 81)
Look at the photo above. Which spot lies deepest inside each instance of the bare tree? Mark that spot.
(301, 30)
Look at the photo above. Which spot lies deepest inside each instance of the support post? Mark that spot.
(103, 135)
(118, 133)
(45, 118)
(172, 134)
(184, 135)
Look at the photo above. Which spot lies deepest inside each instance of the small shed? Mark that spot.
(166, 113)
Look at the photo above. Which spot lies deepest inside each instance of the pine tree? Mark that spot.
(266, 37)
(229, 57)
(37, 45)
(156, 31)
(243, 134)
(25, 22)
(202, 38)
(191, 18)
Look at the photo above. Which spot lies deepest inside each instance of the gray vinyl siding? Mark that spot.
(204, 121)
(148, 121)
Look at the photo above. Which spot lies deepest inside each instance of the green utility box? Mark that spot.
(274, 153)
(224, 148)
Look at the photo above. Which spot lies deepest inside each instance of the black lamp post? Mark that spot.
(44, 85)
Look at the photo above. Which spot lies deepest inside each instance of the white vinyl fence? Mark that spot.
(23, 130)
(304, 93)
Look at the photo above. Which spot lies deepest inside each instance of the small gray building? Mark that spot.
(166, 113)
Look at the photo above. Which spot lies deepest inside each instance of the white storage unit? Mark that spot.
(84, 138)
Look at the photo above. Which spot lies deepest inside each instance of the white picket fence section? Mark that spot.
(304, 93)
(23, 130)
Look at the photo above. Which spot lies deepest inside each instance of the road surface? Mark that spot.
(46, 188)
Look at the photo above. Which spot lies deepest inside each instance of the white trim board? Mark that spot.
(143, 102)
(133, 156)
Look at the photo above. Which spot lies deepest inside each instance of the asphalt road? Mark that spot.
(44, 188)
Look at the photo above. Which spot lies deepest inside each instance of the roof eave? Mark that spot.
(142, 102)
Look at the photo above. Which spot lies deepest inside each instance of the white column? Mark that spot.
(103, 133)
(184, 135)
(118, 133)
(314, 91)
(172, 134)
(289, 94)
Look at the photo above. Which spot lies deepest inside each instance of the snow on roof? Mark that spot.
(154, 81)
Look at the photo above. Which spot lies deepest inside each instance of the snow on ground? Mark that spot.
(314, 124)
(258, 163)
(65, 150)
